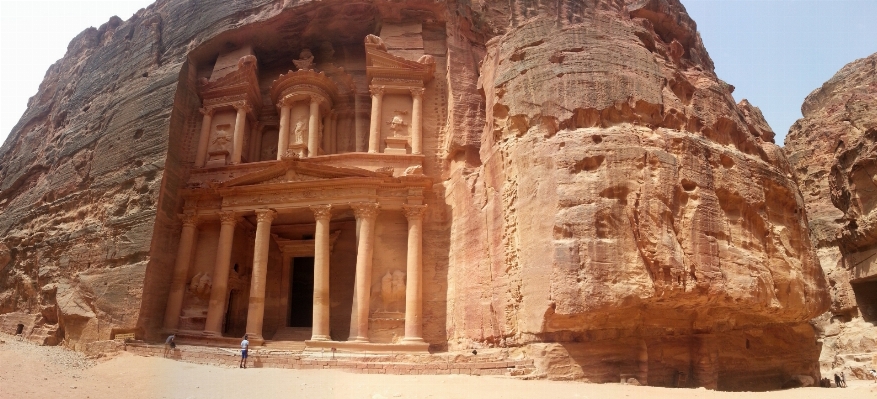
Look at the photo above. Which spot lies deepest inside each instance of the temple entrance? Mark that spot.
(866, 299)
(301, 293)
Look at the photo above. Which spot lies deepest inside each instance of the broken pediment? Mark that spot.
(238, 84)
(381, 65)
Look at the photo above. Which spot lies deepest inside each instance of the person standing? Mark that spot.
(836, 380)
(843, 379)
(245, 346)
(169, 344)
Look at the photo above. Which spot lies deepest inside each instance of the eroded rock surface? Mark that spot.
(833, 152)
(601, 201)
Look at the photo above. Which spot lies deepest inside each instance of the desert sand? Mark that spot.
(31, 371)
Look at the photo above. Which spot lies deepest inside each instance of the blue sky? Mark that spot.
(774, 52)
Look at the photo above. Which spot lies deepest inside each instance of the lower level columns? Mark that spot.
(320, 330)
(414, 286)
(181, 272)
(366, 215)
(256, 311)
(219, 292)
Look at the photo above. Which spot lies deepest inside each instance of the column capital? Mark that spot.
(242, 105)
(416, 91)
(265, 215)
(365, 210)
(377, 90)
(189, 219)
(317, 99)
(227, 217)
(207, 111)
(322, 212)
(413, 212)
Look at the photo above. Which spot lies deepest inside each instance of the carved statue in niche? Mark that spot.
(397, 125)
(305, 61)
(222, 138)
(200, 285)
(393, 292)
(300, 132)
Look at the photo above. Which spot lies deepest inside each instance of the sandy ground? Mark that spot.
(31, 371)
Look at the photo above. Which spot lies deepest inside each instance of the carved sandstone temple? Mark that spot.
(289, 189)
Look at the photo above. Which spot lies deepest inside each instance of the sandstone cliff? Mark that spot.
(833, 154)
(601, 201)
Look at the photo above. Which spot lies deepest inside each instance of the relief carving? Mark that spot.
(200, 285)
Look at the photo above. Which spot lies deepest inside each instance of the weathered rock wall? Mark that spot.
(600, 195)
(832, 151)
(619, 193)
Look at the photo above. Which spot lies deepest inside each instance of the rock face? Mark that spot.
(599, 199)
(832, 151)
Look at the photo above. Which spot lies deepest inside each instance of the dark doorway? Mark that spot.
(866, 299)
(20, 329)
(301, 293)
(229, 312)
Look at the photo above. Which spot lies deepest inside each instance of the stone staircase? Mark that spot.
(289, 339)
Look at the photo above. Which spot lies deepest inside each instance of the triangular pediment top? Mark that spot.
(290, 170)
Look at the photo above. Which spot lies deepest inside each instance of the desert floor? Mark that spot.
(31, 371)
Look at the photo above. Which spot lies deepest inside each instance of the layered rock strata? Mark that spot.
(600, 201)
(833, 154)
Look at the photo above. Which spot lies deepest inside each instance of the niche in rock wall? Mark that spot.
(866, 299)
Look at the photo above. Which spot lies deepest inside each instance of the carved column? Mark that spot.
(357, 125)
(314, 128)
(216, 307)
(239, 126)
(320, 330)
(283, 134)
(414, 285)
(181, 271)
(416, 120)
(366, 214)
(204, 139)
(333, 140)
(256, 311)
(285, 275)
(374, 133)
(327, 132)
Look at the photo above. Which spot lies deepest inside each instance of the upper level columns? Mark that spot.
(239, 127)
(283, 134)
(204, 139)
(256, 312)
(320, 330)
(365, 213)
(414, 287)
(216, 307)
(181, 271)
(416, 120)
(374, 133)
(314, 127)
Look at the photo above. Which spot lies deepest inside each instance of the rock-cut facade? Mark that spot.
(567, 181)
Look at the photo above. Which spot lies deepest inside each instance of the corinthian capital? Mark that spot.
(416, 92)
(265, 215)
(207, 111)
(189, 219)
(377, 90)
(322, 212)
(227, 217)
(365, 210)
(413, 212)
(242, 105)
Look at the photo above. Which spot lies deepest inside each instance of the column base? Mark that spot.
(320, 338)
(358, 340)
(367, 347)
(412, 340)
(212, 334)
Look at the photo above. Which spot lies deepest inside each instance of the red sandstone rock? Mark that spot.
(833, 154)
(599, 203)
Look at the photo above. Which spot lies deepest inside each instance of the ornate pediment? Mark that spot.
(290, 171)
(380, 64)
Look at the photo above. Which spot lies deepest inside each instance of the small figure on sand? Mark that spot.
(836, 380)
(169, 344)
(245, 346)
(874, 375)
(843, 380)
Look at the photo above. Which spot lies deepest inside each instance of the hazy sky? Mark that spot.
(774, 52)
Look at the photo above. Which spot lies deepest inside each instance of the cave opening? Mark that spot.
(866, 298)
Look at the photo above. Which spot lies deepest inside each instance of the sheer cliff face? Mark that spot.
(595, 182)
(616, 185)
(832, 150)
